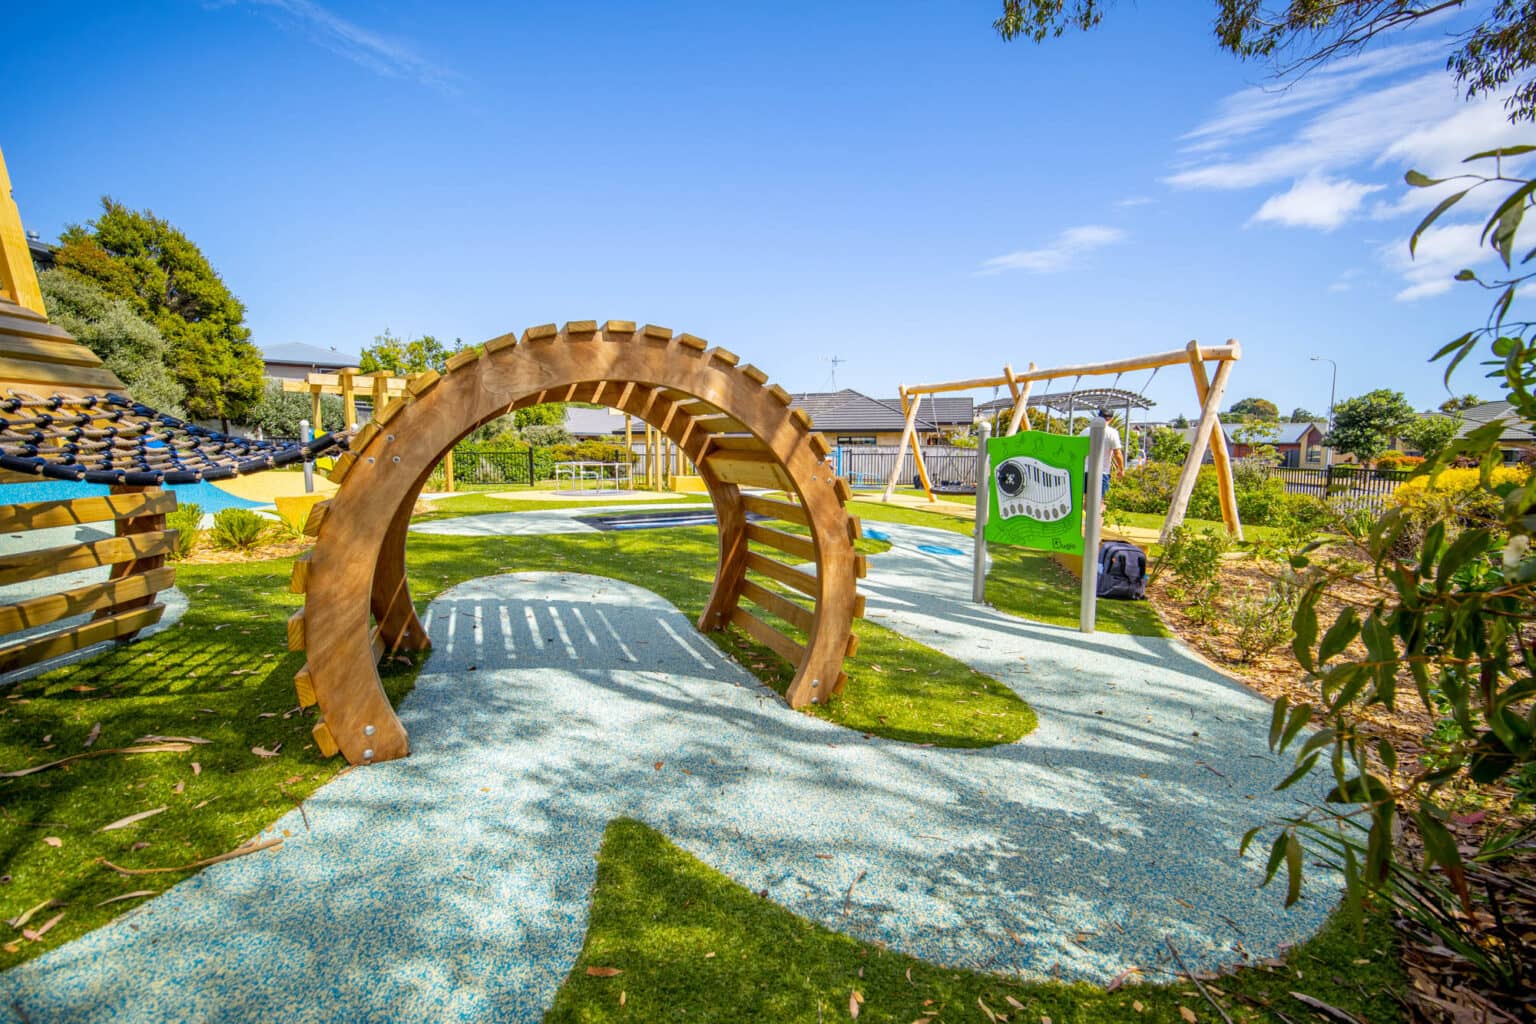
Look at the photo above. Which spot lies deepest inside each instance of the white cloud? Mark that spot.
(1130, 201)
(1058, 253)
(383, 56)
(1244, 113)
(1315, 202)
(1442, 251)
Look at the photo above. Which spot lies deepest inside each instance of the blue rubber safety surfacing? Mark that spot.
(454, 885)
(939, 549)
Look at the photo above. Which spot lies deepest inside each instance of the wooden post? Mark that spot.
(349, 398)
(917, 450)
(448, 471)
(1220, 457)
(18, 281)
(1186, 484)
(314, 411)
(380, 391)
(906, 437)
(629, 450)
(1021, 404)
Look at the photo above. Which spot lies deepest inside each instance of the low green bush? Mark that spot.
(1194, 557)
(1261, 499)
(187, 521)
(238, 529)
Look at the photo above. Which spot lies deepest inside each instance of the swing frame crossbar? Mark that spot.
(1210, 386)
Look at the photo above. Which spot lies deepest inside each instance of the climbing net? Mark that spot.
(111, 439)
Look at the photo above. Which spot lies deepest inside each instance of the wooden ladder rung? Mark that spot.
(50, 645)
(769, 637)
(802, 581)
(796, 615)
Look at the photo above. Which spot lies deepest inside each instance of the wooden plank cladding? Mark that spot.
(66, 641)
(748, 469)
(789, 543)
(769, 637)
(35, 565)
(788, 575)
(38, 515)
(39, 611)
(796, 615)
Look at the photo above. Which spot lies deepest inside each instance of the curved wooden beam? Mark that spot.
(737, 430)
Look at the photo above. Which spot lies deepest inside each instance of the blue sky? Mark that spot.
(887, 183)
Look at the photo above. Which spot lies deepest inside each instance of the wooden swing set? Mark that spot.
(1209, 389)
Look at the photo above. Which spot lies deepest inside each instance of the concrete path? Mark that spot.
(528, 524)
(454, 885)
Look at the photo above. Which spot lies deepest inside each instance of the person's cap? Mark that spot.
(1106, 414)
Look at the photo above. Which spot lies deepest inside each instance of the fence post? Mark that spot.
(530, 465)
(983, 492)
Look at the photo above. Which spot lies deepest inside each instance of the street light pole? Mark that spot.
(1332, 390)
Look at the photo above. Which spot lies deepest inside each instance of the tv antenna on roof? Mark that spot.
(836, 361)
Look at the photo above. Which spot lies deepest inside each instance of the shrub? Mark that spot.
(1398, 460)
(1194, 557)
(1455, 497)
(187, 521)
(238, 529)
(1261, 498)
(1262, 622)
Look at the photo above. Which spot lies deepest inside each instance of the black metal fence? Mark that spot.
(869, 466)
(1358, 486)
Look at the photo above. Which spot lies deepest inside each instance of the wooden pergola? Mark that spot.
(1209, 389)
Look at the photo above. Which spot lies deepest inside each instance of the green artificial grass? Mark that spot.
(481, 504)
(691, 945)
(224, 674)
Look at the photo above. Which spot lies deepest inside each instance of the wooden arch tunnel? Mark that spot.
(738, 429)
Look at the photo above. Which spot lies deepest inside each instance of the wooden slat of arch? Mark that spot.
(796, 615)
(788, 575)
(783, 646)
(34, 649)
(44, 562)
(749, 469)
(30, 373)
(789, 543)
(775, 509)
(39, 611)
(54, 348)
(38, 515)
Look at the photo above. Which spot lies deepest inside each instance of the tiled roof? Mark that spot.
(944, 410)
(580, 422)
(1515, 429)
(851, 410)
(311, 355)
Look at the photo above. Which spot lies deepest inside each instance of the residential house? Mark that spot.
(296, 360)
(1517, 439)
(847, 417)
(596, 424)
(1299, 445)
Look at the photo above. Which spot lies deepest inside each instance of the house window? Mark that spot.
(1314, 454)
(852, 439)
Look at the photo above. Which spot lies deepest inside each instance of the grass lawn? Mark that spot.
(693, 945)
(481, 504)
(224, 675)
(1025, 583)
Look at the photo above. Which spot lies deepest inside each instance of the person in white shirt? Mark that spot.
(1114, 453)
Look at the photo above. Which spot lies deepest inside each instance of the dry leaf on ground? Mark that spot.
(264, 752)
(53, 841)
(604, 972)
(91, 736)
(131, 819)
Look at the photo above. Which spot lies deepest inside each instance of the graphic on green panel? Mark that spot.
(1036, 491)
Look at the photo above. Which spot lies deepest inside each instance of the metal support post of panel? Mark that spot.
(1093, 501)
(306, 435)
(983, 492)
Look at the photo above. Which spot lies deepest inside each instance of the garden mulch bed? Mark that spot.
(1443, 987)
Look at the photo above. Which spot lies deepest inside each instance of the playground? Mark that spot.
(457, 757)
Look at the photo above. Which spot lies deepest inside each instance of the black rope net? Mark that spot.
(111, 439)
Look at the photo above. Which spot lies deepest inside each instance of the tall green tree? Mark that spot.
(130, 346)
(1431, 434)
(1261, 409)
(1365, 425)
(1458, 403)
(1298, 34)
(1300, 415)
(397, 355)
(155, 268)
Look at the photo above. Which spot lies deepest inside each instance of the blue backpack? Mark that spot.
(1122, 571)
